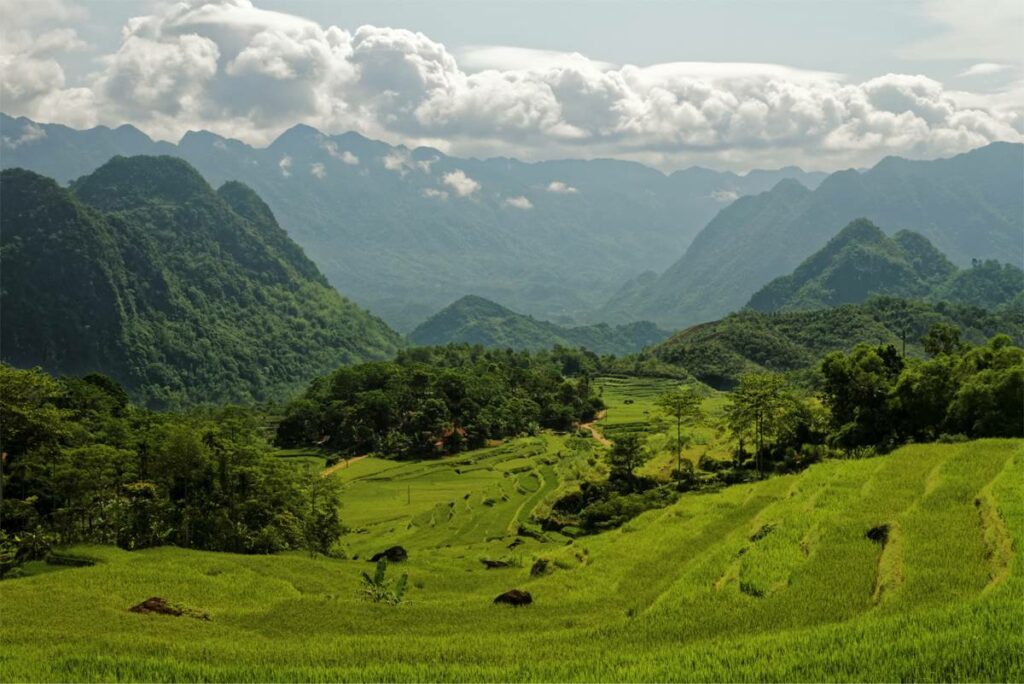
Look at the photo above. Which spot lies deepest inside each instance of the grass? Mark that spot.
(774, 580)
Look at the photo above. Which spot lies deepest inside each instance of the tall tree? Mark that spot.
(683, 405)
(759, 408)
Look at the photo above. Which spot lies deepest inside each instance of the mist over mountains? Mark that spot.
(405, 232)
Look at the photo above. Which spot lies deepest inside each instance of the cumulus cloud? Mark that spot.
(285, 165)
(235, 69)
(435, 194)
(519, 202)
(461, 184)
(561, 188)
(318, 170)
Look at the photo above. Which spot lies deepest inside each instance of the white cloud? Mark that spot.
(436, 194)
(561, 188)
(985, 69)
(519, 202)
(285, 164)
(318, 170)
(461, 184)
(232, 68)
(345, 156)
(724, 196)
(30, 134)
(509, 58)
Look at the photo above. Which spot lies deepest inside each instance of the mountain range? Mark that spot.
(141, 271)
(862, 261)
(475, 320)
(971, 208)
(405, 232)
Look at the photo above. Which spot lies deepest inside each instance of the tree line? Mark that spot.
(434, 401)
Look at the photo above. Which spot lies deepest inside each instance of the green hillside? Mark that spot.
(717, 353)
(475, 320)
(143, 272)
(786, 579)
(969, 206)
(862, 261)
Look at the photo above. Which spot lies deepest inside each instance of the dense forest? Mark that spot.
(82, 463)
(441, 400)
(142, 272)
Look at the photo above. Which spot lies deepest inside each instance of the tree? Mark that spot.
(942, 338)
(683, 405)
(627, 454)
(758, 408)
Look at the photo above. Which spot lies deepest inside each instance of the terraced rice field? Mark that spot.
(902, 567)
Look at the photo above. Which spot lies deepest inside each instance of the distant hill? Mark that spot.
(970, 207)
(475, 320)
(405, 232)
(862, 261)
(717, 353)
(143, 272)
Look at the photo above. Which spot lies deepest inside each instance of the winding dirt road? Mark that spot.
(591, 427)
(343, 463)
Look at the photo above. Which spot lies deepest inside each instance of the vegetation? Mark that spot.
(475, 320)
(432, 401)
(143, 273)
(380, 589)
(680, 594)
(719, 353)
(82, 464)
(861, 261)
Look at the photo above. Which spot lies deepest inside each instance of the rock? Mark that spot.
(515, 597)
(160, 606)
(395, 554)
(493, 564)
(540, 567)
(516, 543)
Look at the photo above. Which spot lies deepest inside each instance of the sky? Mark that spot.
(728, 84)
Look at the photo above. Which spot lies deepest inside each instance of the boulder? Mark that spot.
(159, 606)
(540, 567)
(515, 597)
(494, 564)
(395, 554)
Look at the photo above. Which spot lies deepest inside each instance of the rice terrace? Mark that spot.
(774, 580)
(511, 341)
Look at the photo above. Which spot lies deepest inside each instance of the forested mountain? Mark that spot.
(971, 207)
(475, 320)
(862, 261)
(143, 272)
(405, 232)
(718, 353)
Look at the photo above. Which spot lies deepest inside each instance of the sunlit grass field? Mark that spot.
(773, 580)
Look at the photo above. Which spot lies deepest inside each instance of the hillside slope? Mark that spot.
(773, 581)
(406, 232)
(475, 320)
(970, 206)
(717, 353)
(862, 261)
(142, 272)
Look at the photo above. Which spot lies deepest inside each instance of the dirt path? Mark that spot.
(592, 429)
(343, 463)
